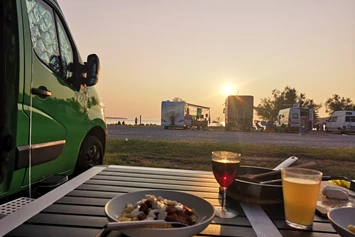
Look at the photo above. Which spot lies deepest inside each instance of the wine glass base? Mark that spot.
(226, 213)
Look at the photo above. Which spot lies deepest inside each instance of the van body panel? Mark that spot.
(289, 118)
(172, 113)
(341, 121)
(10, 78)
(48, 129)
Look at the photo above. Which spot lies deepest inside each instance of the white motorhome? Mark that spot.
(341, 121)
(176, 114)
(289, 119)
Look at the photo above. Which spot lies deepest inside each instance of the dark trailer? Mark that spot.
(239, 112)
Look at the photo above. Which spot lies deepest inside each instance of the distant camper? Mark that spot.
(289, 119)
(341, 122)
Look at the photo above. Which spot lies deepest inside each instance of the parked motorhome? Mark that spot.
(52, 121)
(239, 112)
(175, 114)
(289, 119)
(341, 121)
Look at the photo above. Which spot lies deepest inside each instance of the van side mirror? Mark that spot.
(92, 70)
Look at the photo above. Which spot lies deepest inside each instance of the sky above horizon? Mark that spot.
(154, 50)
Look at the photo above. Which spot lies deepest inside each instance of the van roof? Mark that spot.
(344, 112)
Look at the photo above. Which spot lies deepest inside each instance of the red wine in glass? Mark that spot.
(225, 171)
(225, 166)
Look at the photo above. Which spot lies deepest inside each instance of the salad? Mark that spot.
(158, 208)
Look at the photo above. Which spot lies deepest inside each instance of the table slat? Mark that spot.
(159, 180)
(28, 230)
(134, 189)
(146, 185)
(293, 233)
(75, 209)
(157, 171)
(157, 176)
(68, 220)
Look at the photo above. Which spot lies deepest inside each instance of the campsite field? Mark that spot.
(188, 149)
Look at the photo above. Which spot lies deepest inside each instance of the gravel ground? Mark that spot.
(313, 139)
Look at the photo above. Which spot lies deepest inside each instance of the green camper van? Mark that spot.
(52, 120)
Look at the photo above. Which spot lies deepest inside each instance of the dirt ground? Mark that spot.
(313, 139)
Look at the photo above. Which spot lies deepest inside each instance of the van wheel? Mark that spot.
(90, 155)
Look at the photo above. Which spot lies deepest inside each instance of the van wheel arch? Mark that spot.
(92, 150)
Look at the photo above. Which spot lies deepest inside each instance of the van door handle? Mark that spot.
(41, 92)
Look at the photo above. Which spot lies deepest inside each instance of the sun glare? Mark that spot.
(227, 89)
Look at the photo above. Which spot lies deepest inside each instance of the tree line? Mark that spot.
(269, 107)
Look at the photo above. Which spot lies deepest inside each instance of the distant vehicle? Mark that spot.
(180, 114)
(289, 119)
(341, 121)
(259, 126)
(238, 112)
(52, 121)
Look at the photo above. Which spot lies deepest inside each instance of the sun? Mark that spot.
(227, 89)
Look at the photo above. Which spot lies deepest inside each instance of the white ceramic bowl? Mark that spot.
(117, 205)
(340, 218)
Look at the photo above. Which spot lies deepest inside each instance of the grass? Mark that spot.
(197, 155)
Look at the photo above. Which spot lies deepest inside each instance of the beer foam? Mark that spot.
(300, 180)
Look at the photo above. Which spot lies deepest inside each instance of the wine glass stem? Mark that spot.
(224, 193)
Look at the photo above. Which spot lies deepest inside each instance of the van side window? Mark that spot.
(43, 33)
(347, 118)
(352, 119)
(294, 116)
(334, 119)
(66, 50)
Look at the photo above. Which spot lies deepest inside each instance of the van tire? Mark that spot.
(91, 154)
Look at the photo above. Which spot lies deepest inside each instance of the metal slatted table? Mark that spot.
(77, 207)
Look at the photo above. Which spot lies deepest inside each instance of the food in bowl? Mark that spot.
(158, 208)
(351, 228)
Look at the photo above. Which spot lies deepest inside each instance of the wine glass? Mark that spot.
(225, 166)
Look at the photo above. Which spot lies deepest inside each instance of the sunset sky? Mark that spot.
(155, 50)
